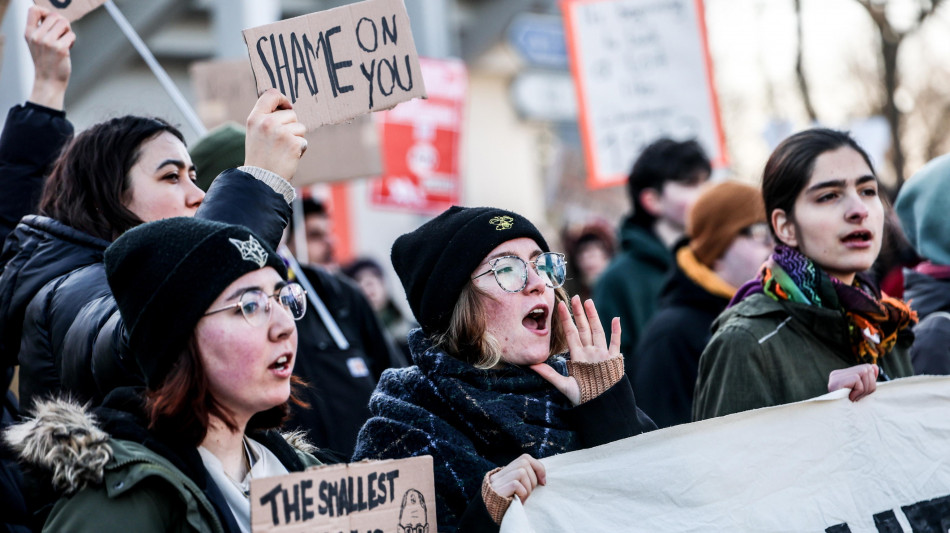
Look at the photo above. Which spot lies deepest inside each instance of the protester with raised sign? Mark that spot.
(492, 388)
(812, 321)
(58, 318)
(211, 328)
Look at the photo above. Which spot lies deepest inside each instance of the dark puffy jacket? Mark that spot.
(669, 349)
(57, 314)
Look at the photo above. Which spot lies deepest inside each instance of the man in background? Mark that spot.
(664, 183)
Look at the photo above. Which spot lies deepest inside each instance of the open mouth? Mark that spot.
(536, 319)
(857, 237)
(281, 364)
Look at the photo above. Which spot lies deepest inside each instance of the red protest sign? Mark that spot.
(421, 143)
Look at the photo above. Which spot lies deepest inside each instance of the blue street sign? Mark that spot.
(539, 40)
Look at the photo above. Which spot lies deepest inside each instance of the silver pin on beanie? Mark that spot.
(164, 276)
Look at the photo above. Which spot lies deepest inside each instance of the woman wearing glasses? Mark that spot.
(210, 318)
(812, 321)
(492, 389)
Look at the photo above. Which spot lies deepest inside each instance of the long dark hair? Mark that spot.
(89, 184)
(792, 162)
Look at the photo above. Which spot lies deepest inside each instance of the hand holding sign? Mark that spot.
(519, 477)
(49, 38)
(71, 9)
(337, 64)
(275, 139)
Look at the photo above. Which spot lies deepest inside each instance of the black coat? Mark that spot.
(58, 318)
(339, 382)
(668, 351)
(24, 162)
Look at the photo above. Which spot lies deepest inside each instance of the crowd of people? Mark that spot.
(163, 333)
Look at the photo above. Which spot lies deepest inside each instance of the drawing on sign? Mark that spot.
(412, 513)
(642, 71)
(336, 64)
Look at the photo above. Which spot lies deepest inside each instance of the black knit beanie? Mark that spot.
(164, 276)
(435, 261)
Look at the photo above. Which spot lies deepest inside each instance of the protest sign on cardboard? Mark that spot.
(225, 91)
(71, 9)
(340, 63)
(828, 464)
(373, 496)
(421, 143)
(642, 71)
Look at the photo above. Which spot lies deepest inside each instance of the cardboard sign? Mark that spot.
(225, 91)
(71, 9)
(642, 71)
(340, 63)
(374, 496)
(879, 464)
(421, 143)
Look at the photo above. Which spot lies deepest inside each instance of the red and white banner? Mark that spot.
(421, 143)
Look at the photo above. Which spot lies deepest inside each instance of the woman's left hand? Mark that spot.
(585, 340)
(861, 379)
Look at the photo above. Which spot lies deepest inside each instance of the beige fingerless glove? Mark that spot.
(494, 502)
(595, 378)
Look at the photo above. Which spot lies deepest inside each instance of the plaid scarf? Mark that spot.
(874, 319)
(469, 420)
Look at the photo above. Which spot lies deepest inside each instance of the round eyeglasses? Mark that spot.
(255, 304)
(511, 271)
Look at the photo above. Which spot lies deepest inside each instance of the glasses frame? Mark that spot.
(267, 303)
(524, 277)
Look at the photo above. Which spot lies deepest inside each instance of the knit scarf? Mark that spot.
(874, 319)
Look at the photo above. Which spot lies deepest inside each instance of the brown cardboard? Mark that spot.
(340, 63)
(373, 496)
(71, 9)
(4, 4)
(225, 91)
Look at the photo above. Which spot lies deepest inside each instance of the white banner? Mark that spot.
(880, 464)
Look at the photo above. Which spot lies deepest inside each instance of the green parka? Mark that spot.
(630, 286)
(110, 484)
(765, 352)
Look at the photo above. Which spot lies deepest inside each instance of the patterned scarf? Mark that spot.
(469, 420)
(874, 320)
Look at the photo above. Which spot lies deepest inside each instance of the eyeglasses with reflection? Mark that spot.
(255, 304)
(511, 271)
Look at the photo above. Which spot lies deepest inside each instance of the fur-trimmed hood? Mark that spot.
(63, 439)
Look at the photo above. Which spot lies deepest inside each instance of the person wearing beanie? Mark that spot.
(922, 205)
(727, 241)
(211, 328)
(341, 378)
(811, 321)
(492, 389)
(220, 149)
